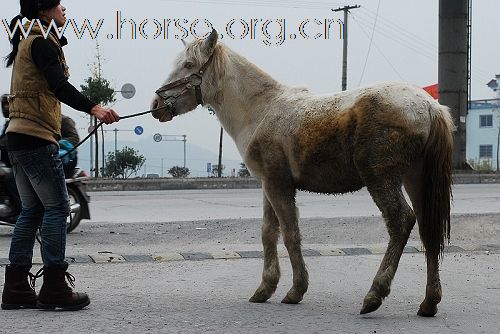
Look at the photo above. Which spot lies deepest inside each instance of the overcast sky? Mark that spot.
(403, 48)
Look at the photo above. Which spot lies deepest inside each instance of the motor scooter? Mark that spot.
(77, 192)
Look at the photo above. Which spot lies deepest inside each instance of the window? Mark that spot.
(485, 121)
(485, 151)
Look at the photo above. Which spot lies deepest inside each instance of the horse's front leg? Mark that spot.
(271, 272)
(281, 195)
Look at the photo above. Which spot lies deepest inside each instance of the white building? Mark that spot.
(483, 130)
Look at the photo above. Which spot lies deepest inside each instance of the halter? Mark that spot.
(191, 81)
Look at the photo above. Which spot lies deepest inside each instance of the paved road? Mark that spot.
(157, 282)
(181, 205)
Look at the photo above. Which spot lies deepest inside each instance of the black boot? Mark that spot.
(17, 291)
(55, 292)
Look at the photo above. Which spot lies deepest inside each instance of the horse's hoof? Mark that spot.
(292, 298)
(371, 303)
(258, 298)
(427, 310)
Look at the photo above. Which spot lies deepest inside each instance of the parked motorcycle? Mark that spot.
(79, 199)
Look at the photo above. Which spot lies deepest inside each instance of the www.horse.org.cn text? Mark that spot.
(269, 31)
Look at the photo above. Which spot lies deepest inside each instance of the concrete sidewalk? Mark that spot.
(210, 296)
(197, 276)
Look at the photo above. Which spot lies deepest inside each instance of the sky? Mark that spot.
(389, 40)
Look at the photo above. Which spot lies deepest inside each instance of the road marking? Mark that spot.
(326, 250)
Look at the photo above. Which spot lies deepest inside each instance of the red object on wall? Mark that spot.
(433, 91)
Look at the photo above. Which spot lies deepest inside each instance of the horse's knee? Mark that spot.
(291, 237)
(271, 273)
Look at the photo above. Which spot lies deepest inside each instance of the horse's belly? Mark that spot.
(329, 179)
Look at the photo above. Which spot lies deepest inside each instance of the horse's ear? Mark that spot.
(210, 43)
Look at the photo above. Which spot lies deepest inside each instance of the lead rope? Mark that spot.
(185, 80)
(101, 123)
(40, 272)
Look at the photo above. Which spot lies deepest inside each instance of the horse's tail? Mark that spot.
(437, 178)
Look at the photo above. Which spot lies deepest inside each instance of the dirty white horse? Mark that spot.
(382, 137)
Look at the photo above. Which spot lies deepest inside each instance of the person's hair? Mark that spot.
(30, 9)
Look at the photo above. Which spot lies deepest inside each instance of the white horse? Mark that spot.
(382, 137)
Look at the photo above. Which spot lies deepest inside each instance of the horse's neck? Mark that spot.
(247, 95)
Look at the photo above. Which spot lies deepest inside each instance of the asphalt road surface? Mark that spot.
(187, 262)
(181, 205)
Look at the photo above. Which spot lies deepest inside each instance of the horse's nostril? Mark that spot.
(154, 105)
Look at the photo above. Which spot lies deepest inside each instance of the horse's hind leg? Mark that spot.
(428, 307)
(400, 220)
(271, 272)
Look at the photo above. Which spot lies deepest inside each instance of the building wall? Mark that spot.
(477, 135)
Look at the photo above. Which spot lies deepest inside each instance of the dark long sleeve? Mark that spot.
(46, 58)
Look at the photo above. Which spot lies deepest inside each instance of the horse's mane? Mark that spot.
(263, 83)
(220, 56)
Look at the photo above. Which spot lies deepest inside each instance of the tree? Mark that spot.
(178, 171)
(97, 88)
(99, 91)
(124, 163)
(243, 172)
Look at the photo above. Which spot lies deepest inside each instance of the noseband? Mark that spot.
(191, 81)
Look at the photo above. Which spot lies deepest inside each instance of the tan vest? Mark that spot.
(34, 110)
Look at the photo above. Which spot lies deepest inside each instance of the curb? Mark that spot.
(233, 183)
(109, 257)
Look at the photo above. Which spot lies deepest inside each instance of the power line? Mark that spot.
(394, 35)
(397, 28)
(279, 4)
(381, 53)
(403, 36)
(428, 54)
(369, 45)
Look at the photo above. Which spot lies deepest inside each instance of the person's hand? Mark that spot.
(105, 115)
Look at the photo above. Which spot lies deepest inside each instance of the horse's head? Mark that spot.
(184, 89)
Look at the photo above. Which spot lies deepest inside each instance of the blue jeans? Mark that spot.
(40, 180)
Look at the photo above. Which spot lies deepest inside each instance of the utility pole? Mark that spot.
(344, 52)
(116, 139)
(219, 167)
(184, 140)
(453, 68)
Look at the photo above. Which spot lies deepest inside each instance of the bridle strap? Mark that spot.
(204, 67)
(193, 80)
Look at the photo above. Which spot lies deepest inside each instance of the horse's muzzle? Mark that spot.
(160, 113)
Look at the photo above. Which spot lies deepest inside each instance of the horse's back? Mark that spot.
(332, 143)
(393, 122)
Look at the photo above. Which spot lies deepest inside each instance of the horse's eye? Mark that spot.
(189, 65)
